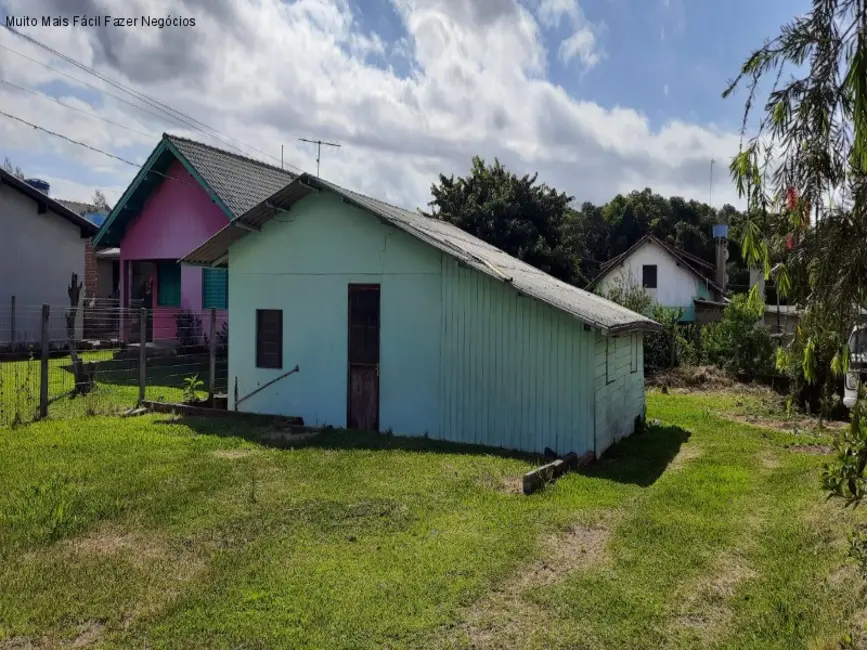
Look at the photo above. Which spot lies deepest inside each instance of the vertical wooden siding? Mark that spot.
(515, 373)
(619, 387)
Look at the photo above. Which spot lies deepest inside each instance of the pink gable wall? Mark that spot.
(176, 218)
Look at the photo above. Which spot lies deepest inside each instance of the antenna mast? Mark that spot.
(319, 144)
(710, 186)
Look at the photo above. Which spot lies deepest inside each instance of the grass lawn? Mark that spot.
(116, 385)
(704, 532)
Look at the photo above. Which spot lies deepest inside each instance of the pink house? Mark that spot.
(184, 193)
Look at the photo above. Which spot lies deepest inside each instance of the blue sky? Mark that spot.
(410, 88)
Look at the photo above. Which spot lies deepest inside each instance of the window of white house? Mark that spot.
(648, 276)
(633, 361)
(609, 351)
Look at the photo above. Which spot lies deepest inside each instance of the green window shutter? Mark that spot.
(168, 284)
(215, 289)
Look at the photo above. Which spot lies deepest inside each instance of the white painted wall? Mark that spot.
(38, 254)
(619, 387)
(676, 286)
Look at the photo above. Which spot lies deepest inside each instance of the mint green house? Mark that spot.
(396, 321)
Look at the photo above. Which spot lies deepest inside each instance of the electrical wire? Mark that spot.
(73, 108)
(92, 148)
(173, 113)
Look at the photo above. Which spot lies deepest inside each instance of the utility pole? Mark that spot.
(710, 187)
(319, 144)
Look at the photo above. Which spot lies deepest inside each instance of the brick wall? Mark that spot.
(90, 271)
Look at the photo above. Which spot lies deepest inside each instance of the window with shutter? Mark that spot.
(215, 289)
(269, 338)
(168, 284)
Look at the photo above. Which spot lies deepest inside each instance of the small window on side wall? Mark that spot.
(609, 351)
(648, 276)
(633, 365)
(269, 338)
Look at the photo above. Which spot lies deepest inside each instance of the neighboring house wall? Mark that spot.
(38, 255)
(462, 356)
(676, 285)
(176, 218)
(619, 387)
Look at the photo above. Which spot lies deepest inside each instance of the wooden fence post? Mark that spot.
(212, 366)
(43, 366)
(12, 323)
(142, 355)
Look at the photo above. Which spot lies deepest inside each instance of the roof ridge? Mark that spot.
(171, 136)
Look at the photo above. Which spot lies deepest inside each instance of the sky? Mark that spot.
(599, 97)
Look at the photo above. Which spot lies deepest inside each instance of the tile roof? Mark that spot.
(587, 307)
(78, 207)
(238, 181)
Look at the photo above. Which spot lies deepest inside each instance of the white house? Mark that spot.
(42, 245)
(354, 313)
(672, 277)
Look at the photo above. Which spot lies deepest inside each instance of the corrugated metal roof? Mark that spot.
(108, 253)
(240, 182)
(587, 307)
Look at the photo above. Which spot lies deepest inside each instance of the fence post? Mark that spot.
(12, 323)
(43, 366)
(212, 367)
(142, 355)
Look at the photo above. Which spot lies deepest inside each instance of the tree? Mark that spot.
(100, 202)
(804, 174)
(518, 215)
(11, 169)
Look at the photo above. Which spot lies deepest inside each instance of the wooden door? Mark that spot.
(363, 385)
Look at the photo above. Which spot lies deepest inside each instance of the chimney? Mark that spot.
(721, 244)
(757, 277)
(39, 184)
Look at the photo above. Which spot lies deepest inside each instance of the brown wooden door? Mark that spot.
(363, 386)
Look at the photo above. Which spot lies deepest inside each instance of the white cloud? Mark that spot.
(474, 85)
(583, 44)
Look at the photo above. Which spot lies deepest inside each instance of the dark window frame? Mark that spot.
(262, 355)
(645, 281)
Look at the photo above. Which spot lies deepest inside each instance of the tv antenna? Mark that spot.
(319, 144)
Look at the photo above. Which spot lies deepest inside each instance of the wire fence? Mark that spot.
(101, 358)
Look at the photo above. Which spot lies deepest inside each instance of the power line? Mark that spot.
(92, 148)
(73, 108)
(179, 116)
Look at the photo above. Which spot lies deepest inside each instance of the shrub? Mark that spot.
(740, 342)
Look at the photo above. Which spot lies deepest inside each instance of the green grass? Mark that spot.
(116, 385)
(154, 532)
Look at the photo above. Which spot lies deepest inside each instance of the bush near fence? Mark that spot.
(186, 363)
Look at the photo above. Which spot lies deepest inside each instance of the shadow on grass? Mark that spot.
(165, 372)
(264, 431)
(639, 459)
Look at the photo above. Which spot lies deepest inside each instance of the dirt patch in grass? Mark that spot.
(513, 484)
(232, 454)
(109, 542)
(505, 618)
(769, 460)
(821, 450)
(88, 634)
(706, 611)
(686, 454)
(796, 426)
